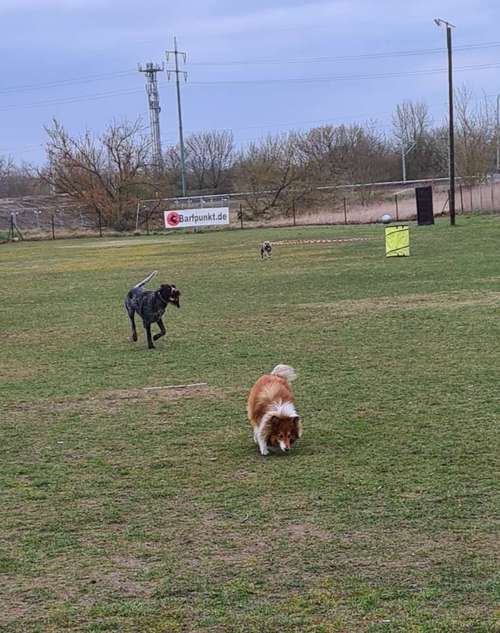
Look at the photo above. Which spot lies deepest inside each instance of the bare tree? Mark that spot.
(210, 157)
(319, 149)
(474, 137)
(411, 125)
(411, 121)
(270, 175)
(107, 174)
(18, 180)
(343, 154)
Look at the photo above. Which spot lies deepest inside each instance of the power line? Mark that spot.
(303, 80)
(69, 100)
(66, 82)
(127, 73)
(352, 77)
(343, 58)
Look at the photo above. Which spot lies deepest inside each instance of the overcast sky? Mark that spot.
(253, 67)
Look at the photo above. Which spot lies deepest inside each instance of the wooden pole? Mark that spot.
(461, 200)
(293, 211)
(241, 215)
(451, 127)
(100, 223)
(53, 227)
(397, 208)
(345, 211)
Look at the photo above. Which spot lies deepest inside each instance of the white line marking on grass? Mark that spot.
(339, 240)
(192, 384)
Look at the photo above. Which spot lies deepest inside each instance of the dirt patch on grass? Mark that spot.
(443, 300)
(29, 597)
(299, 532)
(115, 399)
(16, 373)
(379, 553)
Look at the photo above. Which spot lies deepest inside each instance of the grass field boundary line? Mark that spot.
(186, 386)
(339, 240)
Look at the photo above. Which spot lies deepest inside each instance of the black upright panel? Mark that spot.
(425, 211)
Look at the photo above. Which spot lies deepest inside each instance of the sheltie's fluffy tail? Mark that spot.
(285, 371)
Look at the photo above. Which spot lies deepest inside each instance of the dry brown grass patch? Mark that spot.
(115, 399)
(438, 300)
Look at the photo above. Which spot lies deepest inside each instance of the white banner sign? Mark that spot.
(209, 216)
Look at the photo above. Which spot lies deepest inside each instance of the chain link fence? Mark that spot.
(57, 216)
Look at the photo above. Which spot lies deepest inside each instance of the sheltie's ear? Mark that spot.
(298, 425)
(274, 422)
(270, 426)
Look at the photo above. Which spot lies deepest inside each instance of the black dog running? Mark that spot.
(150, 305)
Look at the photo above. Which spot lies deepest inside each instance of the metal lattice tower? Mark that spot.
(150, 71)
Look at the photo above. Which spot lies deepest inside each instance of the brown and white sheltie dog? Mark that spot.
(271, 410)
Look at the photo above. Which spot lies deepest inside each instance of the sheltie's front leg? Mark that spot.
(261, 441)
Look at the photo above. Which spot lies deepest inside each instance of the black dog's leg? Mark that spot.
(147, 327)
(131, 314)
(162, 331)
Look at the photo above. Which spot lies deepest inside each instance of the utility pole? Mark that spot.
(451, 128)
(150, 71)
(498, 133)
(177, 72)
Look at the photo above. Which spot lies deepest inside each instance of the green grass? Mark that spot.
(136, 512)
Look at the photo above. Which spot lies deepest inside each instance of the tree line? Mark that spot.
(108, 174)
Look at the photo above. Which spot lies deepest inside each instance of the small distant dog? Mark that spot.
(150, 305)
(271, 411)
(266, 249)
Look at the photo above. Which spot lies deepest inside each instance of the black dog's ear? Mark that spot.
(166, 291)
(175, 295)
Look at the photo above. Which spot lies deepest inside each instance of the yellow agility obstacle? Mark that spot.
(397, 241)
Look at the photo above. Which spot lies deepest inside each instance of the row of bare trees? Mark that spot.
(109, 174)
(17, 180)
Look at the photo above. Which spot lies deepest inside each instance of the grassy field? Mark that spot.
(151, 511)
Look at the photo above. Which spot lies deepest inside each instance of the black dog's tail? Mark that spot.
(145, 281)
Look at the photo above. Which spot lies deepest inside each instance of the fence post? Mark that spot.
(137, 216)
(461, 199)
(53, 227)
(480, 198)
(293, 211)
(397, 208)
(241, 215)
(345, 211)
(100, 223)
(147, 223)
(492, 198)
(470, 191)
